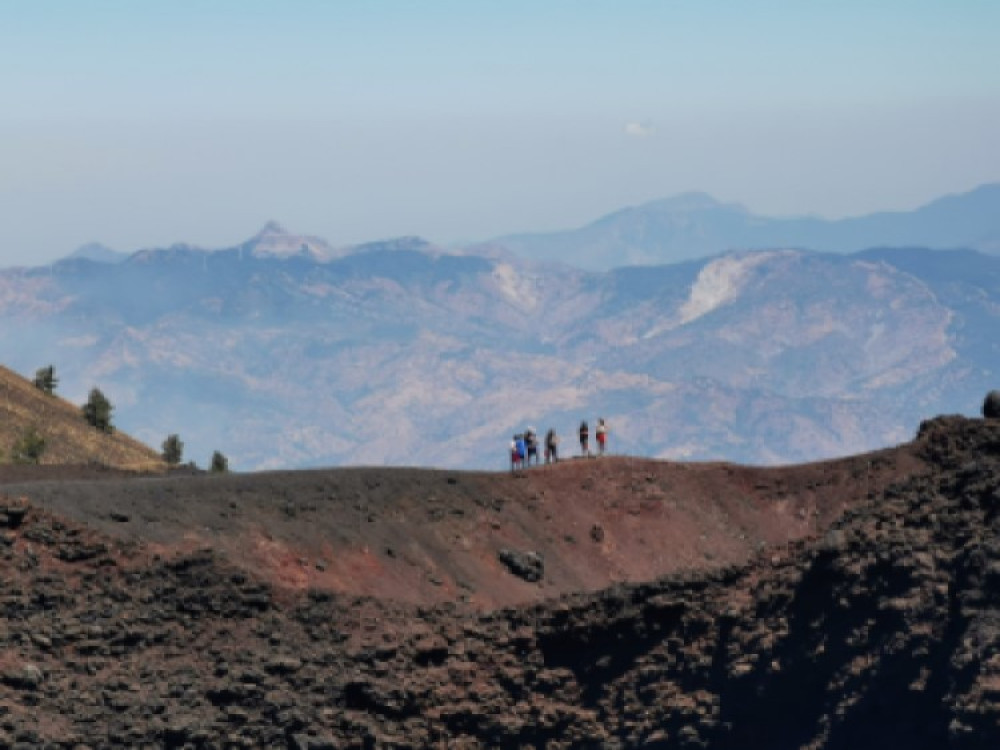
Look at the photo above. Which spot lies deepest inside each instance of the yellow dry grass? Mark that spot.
(68, 437)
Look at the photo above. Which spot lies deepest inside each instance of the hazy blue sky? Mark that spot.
(139, 124)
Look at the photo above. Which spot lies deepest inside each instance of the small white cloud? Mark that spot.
(639, 129)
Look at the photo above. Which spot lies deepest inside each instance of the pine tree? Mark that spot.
(173, 450)
(46, 380)
(97, 411)
(220, 464)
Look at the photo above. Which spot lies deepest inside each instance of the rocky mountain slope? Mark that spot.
(68, 438)
(398, 353)
(876, 629)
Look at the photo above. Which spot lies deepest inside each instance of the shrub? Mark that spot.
(29, 447)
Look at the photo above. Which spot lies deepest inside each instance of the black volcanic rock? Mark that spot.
(991, 405)
(526, 565)
(883, 634)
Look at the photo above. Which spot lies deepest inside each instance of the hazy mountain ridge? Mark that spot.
(405, 354)
(694, 225)
(98, 253)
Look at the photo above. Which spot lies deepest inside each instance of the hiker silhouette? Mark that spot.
(551, 446)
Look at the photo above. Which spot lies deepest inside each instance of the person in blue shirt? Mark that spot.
(517, 451)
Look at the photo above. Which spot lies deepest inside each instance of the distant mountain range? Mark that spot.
(404, 357)
(695, 225)
(284, 351)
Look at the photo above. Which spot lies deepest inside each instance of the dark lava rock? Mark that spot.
(991, 405)
(882, 631)
(526, 565)
(12, 514)
(24, 677)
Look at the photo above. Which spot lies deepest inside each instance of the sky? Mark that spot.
(143, 123)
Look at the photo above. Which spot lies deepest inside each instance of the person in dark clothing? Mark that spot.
(584, 438)
(551, 446)
(531, 443)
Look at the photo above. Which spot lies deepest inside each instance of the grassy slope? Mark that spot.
(69, 439)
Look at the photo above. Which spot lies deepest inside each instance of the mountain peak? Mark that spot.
(274, 241)
(271, 228)
(683, 208)
(98, 253)
(691, 202)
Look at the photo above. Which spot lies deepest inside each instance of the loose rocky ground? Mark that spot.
(427, 536)
(851, 604)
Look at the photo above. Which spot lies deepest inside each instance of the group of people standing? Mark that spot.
(524, 445)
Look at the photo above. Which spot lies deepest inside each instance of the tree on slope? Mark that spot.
(97, 411)
(173, 450)
(46, 380)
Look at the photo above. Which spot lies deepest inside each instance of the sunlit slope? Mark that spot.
(68, 437)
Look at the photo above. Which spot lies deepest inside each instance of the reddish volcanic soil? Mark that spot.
(427, 536)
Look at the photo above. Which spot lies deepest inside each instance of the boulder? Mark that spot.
(23, 677)
(526, 565)
(991, 405)
(12, 513)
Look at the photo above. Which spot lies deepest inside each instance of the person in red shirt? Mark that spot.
(602, 435)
